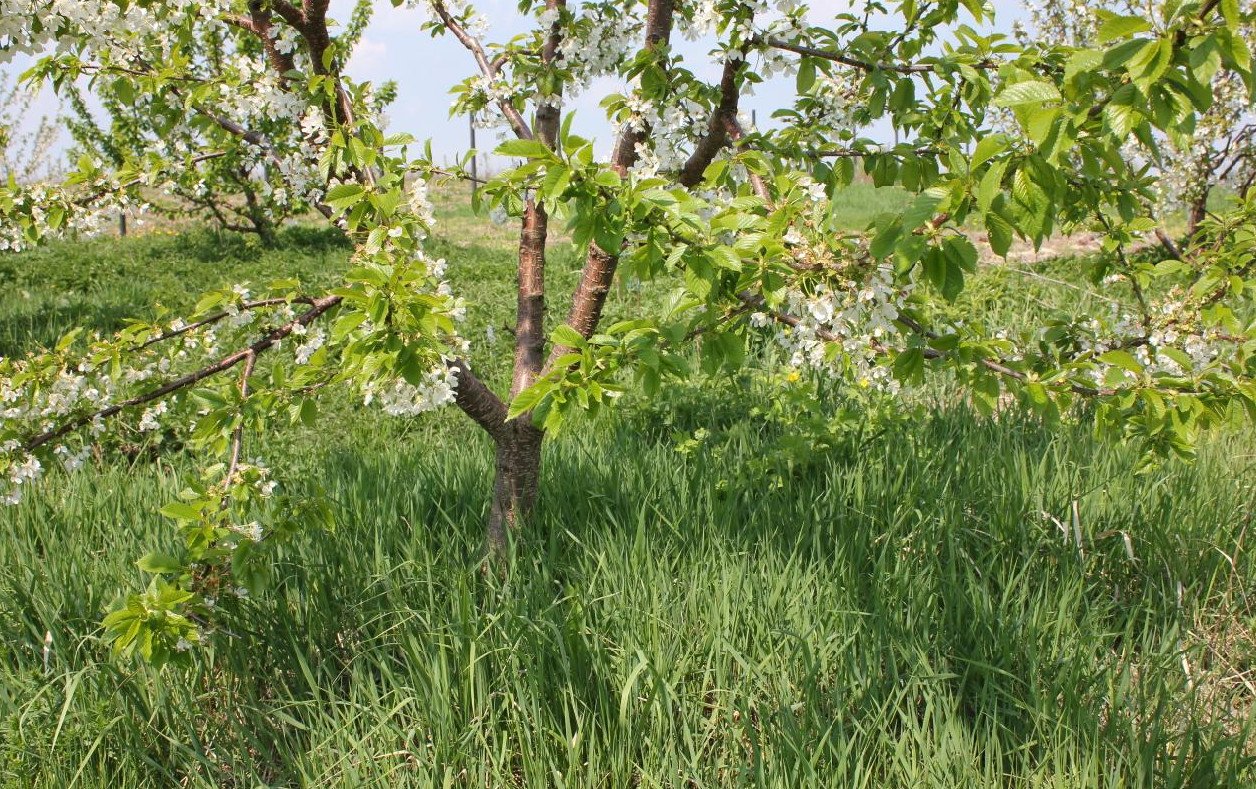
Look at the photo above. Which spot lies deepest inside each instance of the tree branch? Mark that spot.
(487, 67)
(237, 436)
(478, 401)
(862, 65)
(599, 267)
(318, 307)
(212, 319)
(717, 128)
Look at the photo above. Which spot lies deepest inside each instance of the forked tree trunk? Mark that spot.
(516, 482)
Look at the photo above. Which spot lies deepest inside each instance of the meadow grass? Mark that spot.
(957, 602)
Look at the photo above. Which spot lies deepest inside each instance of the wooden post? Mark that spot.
(122, 225)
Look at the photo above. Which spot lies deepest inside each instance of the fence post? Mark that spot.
(122, 225)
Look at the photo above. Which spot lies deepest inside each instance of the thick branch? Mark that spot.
(658, 32)
(547, 113)
(478, 401)
(599, 265)
(717, 128)
(530, 310)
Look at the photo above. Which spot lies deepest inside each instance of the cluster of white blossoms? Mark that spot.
(40, 394)
(673, 129)
(596, 43)
(401, 398)
(42, 202)
(41, 405)
(843, 330)
(313, 341)
(149, 419)
(23, 469)
(421, 206)
(1159, 348)
(252, 531)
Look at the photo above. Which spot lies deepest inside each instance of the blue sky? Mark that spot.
(393, 47)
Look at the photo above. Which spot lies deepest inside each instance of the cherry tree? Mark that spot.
(26, 143)
(1218, 149)
(241, 190)
(737, 221)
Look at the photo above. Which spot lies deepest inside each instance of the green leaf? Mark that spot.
(909, 366)
(991, 185)
(529, 398)
(158, 563)
(342, 196)
(181, 511)
(988, 148)
(806, 76)
(1121, 27)
(565, 335)
(1000, 233)
(926, 205)
(527, 149)
(1122, 359)
(1030, 92)
(885, 239)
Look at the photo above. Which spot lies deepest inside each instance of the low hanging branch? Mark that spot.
(318, 307)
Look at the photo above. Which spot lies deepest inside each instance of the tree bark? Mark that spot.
(516, 483)
(1198, 210)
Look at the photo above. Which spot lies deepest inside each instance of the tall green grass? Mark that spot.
(915, 611)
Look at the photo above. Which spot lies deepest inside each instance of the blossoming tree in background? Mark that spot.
(26, 145)
(737, 221)
(240, 190)
(1217, 150)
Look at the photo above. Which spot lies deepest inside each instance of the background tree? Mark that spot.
(239, 190)
(738, 224)
(26, 143)
(1220, 148)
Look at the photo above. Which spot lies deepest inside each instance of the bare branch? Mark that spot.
(717, 128)
(478, 401)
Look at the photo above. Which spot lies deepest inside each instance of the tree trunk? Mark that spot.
(1198, 210)
(516, 482)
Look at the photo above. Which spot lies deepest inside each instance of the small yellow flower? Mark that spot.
(793, 377)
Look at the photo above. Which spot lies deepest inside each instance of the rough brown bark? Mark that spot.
(516, 483)
(717, 129)
(530, 314)
(598, 274)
